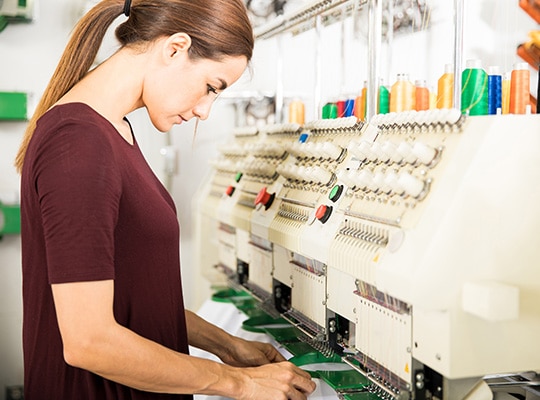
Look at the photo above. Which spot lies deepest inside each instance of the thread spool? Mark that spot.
(422, 95)
(296, 112)
(520, 82)
(329, 111)
(349, 108)
(360, 104)
(494, 90)
(505, 98)
(364, 101)
(403, 94)
(383, 101)
(358, 107)
(432, 98)
(340, 108)
(474, 93)
(445, 88)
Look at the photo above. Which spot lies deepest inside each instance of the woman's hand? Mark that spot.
(246, 353)
(251, 370)
(276, 381)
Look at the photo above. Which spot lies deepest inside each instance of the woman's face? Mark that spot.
(185, 89)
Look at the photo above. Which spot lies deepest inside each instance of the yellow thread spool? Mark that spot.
(432, 99)
(296, 112)
(445, 87)
(506, 93)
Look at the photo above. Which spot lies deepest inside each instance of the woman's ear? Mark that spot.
(176, 44)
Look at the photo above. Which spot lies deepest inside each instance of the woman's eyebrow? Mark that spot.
(223, 84)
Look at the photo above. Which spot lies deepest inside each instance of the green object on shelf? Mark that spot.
(3, 23)
(13, 106)
(10, 218)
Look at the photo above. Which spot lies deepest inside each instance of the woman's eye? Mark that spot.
(211, 89)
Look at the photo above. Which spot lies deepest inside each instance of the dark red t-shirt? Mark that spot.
(91, 210)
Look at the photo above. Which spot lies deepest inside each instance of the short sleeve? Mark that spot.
(79, 188)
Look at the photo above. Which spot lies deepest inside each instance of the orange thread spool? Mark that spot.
(445, 86)
(520, 82)
(360, 104)
(296, 112)
(403, 94)
(422, 96)
(358, 107)
(364, 102)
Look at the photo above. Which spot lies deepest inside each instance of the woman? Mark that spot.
(103, 310)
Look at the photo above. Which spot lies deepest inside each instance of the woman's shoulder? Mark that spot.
(72, 112)
(74, 125)
(69, 118)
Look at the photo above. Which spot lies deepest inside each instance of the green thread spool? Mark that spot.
(474, 89)
(384, 99)
(329, 111)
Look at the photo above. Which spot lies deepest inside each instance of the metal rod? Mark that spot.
(342, 87)
(374, 50)
(458, 50)
(279, 87)
(518, 384)
(317, 104)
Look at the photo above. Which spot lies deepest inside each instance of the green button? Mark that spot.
(238, 176)
(335, 193)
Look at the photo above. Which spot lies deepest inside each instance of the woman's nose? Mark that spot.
(203, 107)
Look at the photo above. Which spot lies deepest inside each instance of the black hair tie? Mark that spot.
(127, 7)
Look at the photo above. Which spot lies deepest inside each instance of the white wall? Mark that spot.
(28, 56)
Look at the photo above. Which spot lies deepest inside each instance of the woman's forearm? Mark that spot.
(126, 358)
(206, 336)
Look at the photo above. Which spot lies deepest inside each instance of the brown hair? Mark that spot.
(218, 28)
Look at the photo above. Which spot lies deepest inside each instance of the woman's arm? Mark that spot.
(94, 341)
(230, 349)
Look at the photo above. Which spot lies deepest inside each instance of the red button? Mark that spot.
(323, 213)
(229, 191)
(264, 198)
